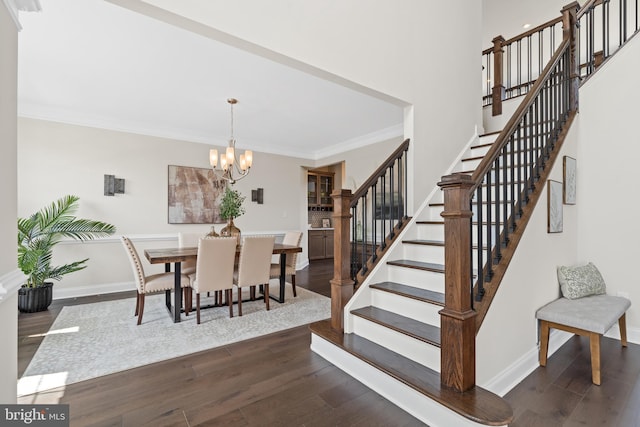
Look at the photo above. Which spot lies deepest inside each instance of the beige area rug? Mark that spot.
(91, 340)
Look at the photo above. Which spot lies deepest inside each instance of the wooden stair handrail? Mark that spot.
(585, 7)
(379, 172)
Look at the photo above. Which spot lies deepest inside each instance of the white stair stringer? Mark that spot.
(407, 398)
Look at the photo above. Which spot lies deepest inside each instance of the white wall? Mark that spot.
(362, 162)
(529, 283)
(609, 147)
(55, 159)
(602, 227)
(506, 18)
(412, 53)
(8, 111)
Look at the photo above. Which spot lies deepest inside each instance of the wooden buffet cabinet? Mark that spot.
(320, 244)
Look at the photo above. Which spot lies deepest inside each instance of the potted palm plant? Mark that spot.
(37, 236)
(230, 208)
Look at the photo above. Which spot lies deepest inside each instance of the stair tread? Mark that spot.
(477, 404)
(411, 292)
(424, 242)
(419, 330)
(428, 266)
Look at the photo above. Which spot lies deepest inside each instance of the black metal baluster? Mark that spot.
(391, 187)
(496, 208)
(540, 50)
(383, 208)
(519, 170)
(480, 243)
(354, 242)
(512, 149)
(489, 274)
(508, 73)
(374, 204)
(528, 63)
(365, 223)
(505, 194)
(519, 65)
(404, 195)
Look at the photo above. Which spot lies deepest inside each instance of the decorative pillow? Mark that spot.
(581, 281)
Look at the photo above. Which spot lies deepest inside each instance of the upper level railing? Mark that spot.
(603, 27)
(365, 223)
(510, 67)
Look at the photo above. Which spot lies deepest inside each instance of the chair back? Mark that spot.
(292, 238)
(136, 265)
(254, 265)
(216, 258)
(188, 240)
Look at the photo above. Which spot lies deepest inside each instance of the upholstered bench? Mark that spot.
(589, 316)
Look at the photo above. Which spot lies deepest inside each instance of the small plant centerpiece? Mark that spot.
(37, 236)
(230, 208)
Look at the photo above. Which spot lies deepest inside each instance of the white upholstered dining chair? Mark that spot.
(292, 238)
(153, 283)
(214, 269)
(253, 266)
(188, 240)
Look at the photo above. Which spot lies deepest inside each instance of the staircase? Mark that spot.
(409, 330)
(394, 322)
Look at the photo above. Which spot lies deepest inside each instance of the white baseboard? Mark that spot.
(60, 292)
(502, 383)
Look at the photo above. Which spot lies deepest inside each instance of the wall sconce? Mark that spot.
(257, 196)
(113, 185)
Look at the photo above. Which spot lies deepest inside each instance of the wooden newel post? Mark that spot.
(570, 31)
(341, 284)
(498, 93)
(458, 320)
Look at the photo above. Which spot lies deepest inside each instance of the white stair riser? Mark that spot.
(426, 253)
(418, 278)
(430, 232)
(411, 348)
(418, 310)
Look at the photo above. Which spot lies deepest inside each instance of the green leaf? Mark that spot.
(39, 233)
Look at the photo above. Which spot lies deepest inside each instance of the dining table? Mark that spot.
(177, 256)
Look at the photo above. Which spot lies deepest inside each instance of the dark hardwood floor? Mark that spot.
(276, 380)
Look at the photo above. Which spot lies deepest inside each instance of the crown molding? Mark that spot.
(361, 141)
(34, 112)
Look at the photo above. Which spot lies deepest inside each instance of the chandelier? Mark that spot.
(232, 168)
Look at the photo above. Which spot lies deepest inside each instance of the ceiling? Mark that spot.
(90, 62)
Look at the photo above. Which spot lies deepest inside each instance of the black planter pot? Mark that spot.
(31, 300)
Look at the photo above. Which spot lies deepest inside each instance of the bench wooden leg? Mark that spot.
(544, 342)
(622, 323)
(594, 340)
